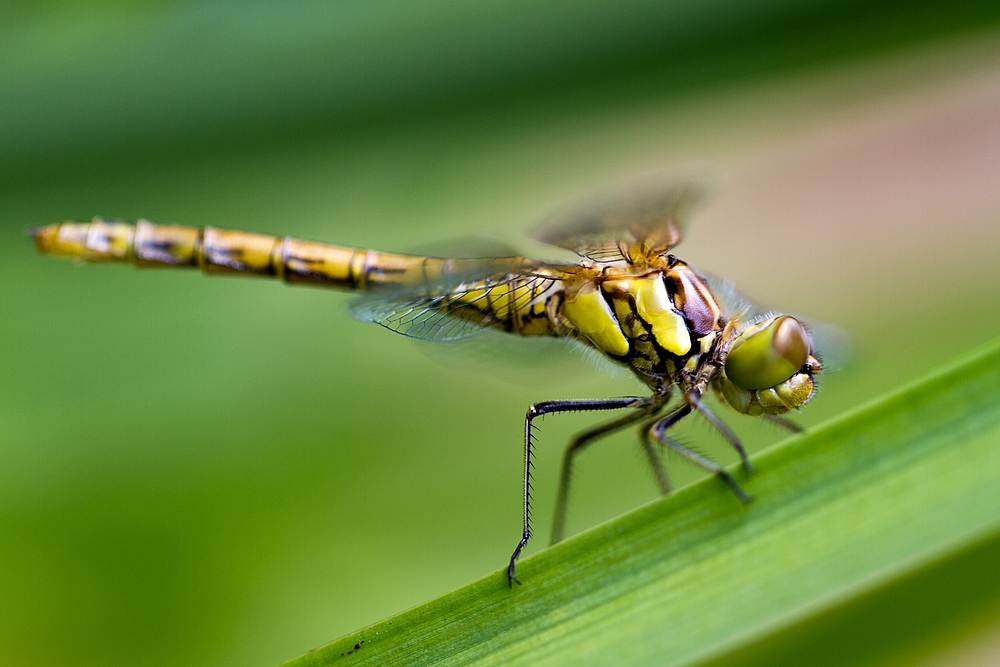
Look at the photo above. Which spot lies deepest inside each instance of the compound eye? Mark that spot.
(767, 354)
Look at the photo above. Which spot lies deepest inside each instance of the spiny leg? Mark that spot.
(658, 433)
(695, 399)
(680, 413)
(784, 423)
(652, 453)
(655, 460)
(581, 441)
(547, 407)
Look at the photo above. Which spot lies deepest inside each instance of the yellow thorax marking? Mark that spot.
(653, 305)
(589, 312)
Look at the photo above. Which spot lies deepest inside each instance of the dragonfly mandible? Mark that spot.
(677, 329)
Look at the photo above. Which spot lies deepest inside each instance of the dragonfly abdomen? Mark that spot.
(214, 251)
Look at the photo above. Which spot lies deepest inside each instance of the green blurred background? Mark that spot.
(231, 472)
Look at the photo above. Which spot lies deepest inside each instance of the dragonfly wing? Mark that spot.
(466, 247)
(733, 302)
(461, 309)
(416, 317)
(628, 224)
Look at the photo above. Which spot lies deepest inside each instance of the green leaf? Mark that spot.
(871, 536)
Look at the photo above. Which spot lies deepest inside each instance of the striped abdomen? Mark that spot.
(501, 292)
(214, 250)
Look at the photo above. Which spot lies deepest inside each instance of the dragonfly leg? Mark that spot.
(784, 423)
(579, 443)
(548, 407)
(695, 399)
(655, 460)
(657, 431)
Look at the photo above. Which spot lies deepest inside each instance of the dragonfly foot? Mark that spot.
(743, 496)
(511, 579)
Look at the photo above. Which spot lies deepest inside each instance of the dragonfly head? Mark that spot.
(769, 368)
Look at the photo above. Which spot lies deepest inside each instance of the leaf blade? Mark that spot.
(863, 498)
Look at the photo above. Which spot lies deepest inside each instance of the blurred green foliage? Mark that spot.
(117, 85)
(232, 472)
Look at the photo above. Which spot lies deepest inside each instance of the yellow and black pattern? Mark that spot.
(521, 303)
(655, 321)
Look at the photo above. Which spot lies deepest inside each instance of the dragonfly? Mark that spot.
(680, 331)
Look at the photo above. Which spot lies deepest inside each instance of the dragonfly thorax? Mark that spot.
(660, 321)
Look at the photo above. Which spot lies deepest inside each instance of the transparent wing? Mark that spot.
(533, 361)
(467, 247)
(464, 306)
(417, 317)
(733, 302)
(627, 224)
